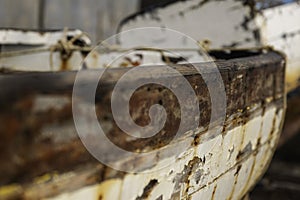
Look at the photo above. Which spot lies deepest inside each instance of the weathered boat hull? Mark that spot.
(42, 156)
(231, 24)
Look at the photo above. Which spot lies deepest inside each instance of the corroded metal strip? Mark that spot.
(37, 132)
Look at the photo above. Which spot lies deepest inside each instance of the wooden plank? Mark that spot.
(98, 18)
(19, 14)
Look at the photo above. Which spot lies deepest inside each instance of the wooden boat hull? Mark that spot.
(42, 156)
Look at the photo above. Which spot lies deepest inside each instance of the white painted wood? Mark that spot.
(26, 37)
(267, 125)
(231, 24)
(225, 186)
(218, 180)
(221, 166)
(40, 60)
(109, 190)
(253, 127)
(242, 177)
(232, 140)
(280, 28)
(216, 21)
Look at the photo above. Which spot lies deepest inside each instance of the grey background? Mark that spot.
(99, 18)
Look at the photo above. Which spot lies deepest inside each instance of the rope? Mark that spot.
(68, 46)
(58, 47)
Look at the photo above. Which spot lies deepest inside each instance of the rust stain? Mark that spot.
(236, 174)
(147, 190)
(244, 152)
(64, 65)
(23, 135)
(214, 192)
(183, 179)
(196, 140)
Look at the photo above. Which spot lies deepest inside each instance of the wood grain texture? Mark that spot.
(19, 14)
(21, 125)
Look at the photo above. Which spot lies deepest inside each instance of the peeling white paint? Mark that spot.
(232, 141)
(280, 28)
(267, 125)
(28, 37)
(216, 21)
(218, 178)
(252, 132)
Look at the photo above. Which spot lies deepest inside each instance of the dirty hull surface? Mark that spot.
(42, 157)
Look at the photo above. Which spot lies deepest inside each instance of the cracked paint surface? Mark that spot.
(45, 159)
